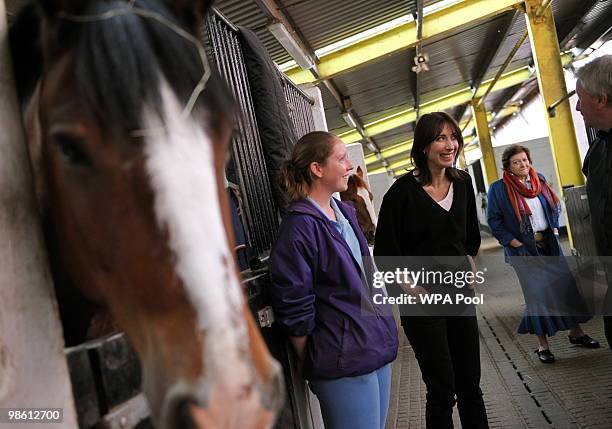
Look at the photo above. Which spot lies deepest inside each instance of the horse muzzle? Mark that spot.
(253, 405)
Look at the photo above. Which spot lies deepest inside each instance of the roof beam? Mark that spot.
(415, 84)
(568, 39)
(417, 51)
(586, 7)
(394, 119)
(272, 10)
(407, 115)
(599, 29)
(403, 37)
(487, 56)
(273, 13)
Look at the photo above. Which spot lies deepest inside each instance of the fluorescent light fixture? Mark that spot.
(279, 31)
(371, 146)
(348, 118)
(379, 29)
(385, 163)
(390, 25)
(287, 66)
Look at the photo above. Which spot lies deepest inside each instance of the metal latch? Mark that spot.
(265, 317)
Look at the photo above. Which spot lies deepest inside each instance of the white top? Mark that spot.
(538, 217)
(447, 202)
(363, 193)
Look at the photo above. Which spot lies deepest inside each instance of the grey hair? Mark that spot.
(596, 77)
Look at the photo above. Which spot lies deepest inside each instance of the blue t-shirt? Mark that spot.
(344, 228)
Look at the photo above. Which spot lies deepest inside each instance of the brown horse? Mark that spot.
(359, 196)
(129, 155)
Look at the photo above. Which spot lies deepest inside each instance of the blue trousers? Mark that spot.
(355, 402)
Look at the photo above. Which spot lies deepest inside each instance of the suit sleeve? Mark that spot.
(292, 264)
(495, 217)
(472, 224)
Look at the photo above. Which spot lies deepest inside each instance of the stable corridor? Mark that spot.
(519, 391)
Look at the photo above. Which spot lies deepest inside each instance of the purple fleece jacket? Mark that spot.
(319, 290)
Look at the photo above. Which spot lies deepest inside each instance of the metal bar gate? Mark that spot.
(300, 107)
(261, 211)
(247, 152)
(262, 216)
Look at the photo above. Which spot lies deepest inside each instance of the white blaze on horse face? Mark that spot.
(180, 162)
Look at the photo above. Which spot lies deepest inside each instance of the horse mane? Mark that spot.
(119, 63)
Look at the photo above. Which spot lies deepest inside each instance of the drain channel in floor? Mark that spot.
(518, 373)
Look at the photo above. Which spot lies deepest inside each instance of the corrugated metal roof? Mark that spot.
(384, 86)
(333, 115)
(378, 86)
(323, 22)
(393, 137)
(599, 18)
(452, 57)
(246, 13)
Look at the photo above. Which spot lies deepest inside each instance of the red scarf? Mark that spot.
(517, 192)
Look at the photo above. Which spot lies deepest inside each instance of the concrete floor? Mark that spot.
(519, 391)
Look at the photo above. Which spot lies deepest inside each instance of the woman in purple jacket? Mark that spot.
(321, 273)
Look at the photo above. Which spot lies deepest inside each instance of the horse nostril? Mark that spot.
(183, 417)
(245, 391)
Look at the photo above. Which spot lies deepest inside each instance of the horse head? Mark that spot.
(128, 133)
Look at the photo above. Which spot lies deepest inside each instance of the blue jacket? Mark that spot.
(505, 226)
(318, 290)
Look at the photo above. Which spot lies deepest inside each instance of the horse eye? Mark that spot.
(71, 149)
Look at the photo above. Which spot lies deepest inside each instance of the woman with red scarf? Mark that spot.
(523, 213)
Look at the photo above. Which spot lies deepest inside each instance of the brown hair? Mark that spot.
(427, 129)
(511, 151)
(296, 177)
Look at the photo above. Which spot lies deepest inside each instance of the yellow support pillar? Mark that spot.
(479, 113)
(551, 81)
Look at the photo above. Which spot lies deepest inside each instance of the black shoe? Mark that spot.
(545, 356)
(584, 341)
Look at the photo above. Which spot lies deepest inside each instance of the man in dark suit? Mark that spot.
(594, 90)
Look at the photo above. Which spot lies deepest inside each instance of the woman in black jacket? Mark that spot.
(430, 213)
